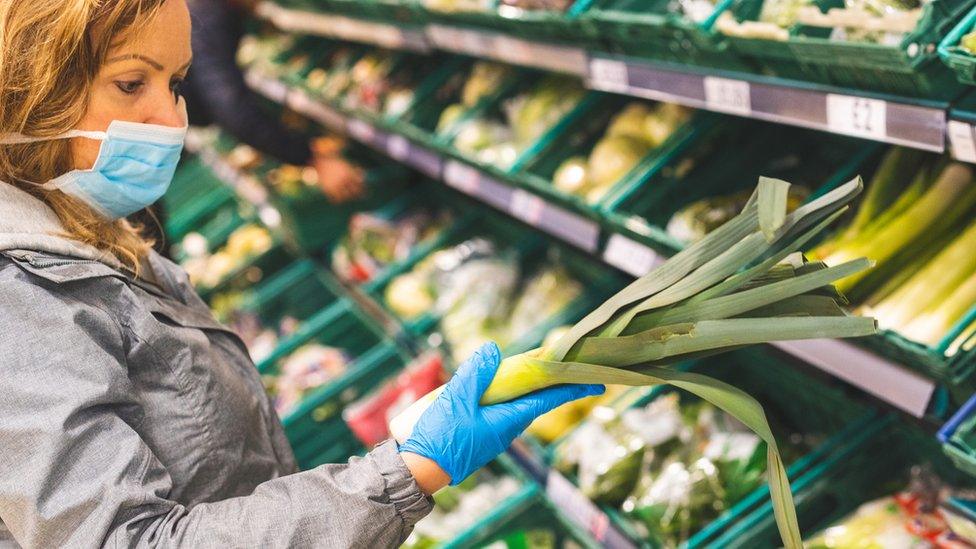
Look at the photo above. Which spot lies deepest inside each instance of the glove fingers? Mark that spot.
(475, 374)
(535, 404)
(490, 358)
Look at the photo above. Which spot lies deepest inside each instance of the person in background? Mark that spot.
(129, 417)
(216, 93)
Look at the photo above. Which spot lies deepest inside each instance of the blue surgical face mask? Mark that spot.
(134, 168)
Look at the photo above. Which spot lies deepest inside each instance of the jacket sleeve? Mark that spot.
(218, 84)
(77, 473)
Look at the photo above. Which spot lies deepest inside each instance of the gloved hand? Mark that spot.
(461, 435)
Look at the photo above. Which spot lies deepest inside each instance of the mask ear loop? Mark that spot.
(21, 139)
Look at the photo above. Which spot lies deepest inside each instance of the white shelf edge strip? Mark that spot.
(890, 382)
(726, 95)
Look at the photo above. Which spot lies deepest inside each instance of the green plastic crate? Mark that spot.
(493, 110)
(488, 225)
(959, 60)
(958, 437)
(251, 272)
(312, 224)
(534, 25)
(527, 510)
(216, 229)
(726, 157)
(585, 128)
(194, 195)
(909, 69)
(420, 121)
(416, 198)
(793, 402)
(876, 465)
(398, 12)
(299, 291)
(315, 427)
(650, 30)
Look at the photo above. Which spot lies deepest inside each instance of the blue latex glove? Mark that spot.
(462, 436)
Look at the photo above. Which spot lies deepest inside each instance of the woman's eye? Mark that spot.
(129, 87)
(174, 87)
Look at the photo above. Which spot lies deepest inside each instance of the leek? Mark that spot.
(702, 301)
(930, 285)
(932, 325)
(893, 176)
(945, 202)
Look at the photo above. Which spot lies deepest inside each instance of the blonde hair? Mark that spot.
(50, 53)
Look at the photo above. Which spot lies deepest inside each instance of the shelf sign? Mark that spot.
(398, 147)
(526, 207)
(961, 141)
(462, 177)
(727, 95)
(576, 506)
(857, 116)
(360, 130)
(609, 75)
(629, 256)
(884, 379)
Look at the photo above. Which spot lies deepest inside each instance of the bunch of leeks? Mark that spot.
(744, 283)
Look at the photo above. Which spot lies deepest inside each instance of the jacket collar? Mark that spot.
(27, 223)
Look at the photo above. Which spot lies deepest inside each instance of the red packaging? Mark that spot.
(369, 417)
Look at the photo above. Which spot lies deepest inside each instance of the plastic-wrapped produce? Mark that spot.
(912, 519)
(526, 117)
(697, 219)
(672, 467)
(457, 508)
(208, 270)
(305, 370)
(635, 131)
(372, 242)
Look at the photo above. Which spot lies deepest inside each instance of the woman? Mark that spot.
(128, 417)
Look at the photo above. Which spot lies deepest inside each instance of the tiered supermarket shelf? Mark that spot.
(618, 244)
(912, 122)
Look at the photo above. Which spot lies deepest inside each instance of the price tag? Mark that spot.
(398, 147)
(527, 207)
(576, 506)
(609, 75)
(726, 95)
(477, 43)
(631, 257)
(961, 140)
(360, 130)
(462, 177)
(514, 50)
(857, 116)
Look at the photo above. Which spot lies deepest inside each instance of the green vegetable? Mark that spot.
(943, 204)
(597, 350)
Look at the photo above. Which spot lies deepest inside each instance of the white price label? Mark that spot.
(726, 95)
(857, 116)
(462, 177)
(398, 147)
(514, 50)
(527, 207)
(631, 257)
(961, 140)
(477, 43)
(362, 131)
(609, 75)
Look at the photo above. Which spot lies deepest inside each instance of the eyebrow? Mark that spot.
(148, 60)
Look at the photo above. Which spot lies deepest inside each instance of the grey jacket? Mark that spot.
(129, 417)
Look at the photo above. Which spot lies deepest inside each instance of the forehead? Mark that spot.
(164, 36)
